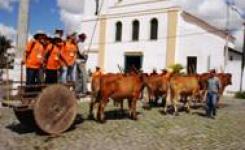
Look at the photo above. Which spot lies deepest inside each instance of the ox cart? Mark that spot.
(51, 108)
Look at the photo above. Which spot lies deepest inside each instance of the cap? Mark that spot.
(82, 36)
(39, 35)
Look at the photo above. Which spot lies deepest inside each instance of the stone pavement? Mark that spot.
(153, 131)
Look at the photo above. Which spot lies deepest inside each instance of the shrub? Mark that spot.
(240, 95)
(176, 68)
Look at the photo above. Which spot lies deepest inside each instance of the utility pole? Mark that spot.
(243, 59)
(22, 34)
(22, 37)
(227, 36)
(96, 7)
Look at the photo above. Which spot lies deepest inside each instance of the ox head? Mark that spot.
(228, 78)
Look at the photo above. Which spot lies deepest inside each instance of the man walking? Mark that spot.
(212, 94)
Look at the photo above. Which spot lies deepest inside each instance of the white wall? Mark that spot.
(154, 51)
(130, 6)
(195, 41)
(115, 51)
(92, 61)
(234, 67)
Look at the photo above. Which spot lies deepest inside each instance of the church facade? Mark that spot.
(155, 34)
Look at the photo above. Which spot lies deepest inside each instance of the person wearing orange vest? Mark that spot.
(33, 58)
(69, 53)
(54, 60)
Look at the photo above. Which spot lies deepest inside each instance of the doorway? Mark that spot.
(133, 61)
(191, 64)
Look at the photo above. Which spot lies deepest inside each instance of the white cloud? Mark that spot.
(71, 21)
(71, 13)
(7, 31)
(73, 6)
(7, 4)
(215, 13)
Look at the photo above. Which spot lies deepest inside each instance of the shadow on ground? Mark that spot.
(21, 129)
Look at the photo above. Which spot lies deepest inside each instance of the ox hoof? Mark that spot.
(102, 121)
(152, 104)
(146, 107)
(164, 112)
(188, 111)
(176, 114)
(135, 118)
(91, 117)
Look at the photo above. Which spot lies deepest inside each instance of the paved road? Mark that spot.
(153, 131)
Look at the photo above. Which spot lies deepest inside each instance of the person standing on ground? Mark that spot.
(214, 86)
(82, 75)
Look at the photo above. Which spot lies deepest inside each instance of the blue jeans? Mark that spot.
(82, 78)
(32, 76)
(68, 73)
(212, 99)
(51, 76)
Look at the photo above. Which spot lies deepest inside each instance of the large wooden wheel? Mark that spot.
(25, 118)
(55, 109)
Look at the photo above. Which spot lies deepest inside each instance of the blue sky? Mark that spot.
(44, 15)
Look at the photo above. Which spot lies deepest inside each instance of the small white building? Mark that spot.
(155, 34)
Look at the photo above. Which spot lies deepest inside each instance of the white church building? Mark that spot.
(155, 34)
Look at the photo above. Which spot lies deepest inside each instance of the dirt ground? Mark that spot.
(153, 131)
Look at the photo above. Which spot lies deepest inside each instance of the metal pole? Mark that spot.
(227, 36)
(243, 59)
(21, 82)
(96, 7)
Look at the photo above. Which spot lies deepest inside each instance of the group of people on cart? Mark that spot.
(55, 59)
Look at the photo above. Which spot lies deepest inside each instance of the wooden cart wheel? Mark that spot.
(26, 118)
(55, 109)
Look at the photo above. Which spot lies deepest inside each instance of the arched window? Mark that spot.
(135, 31)
(118, 34)
(154, 29)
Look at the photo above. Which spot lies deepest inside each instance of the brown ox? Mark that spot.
(157, 86)
(95, 87)
(124, 87)
(225, 80)
(183, 86)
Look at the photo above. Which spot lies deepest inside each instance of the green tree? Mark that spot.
(6, 59)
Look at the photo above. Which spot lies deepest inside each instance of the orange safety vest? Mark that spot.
(53, 60)
(69, 52)
(34, 54)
